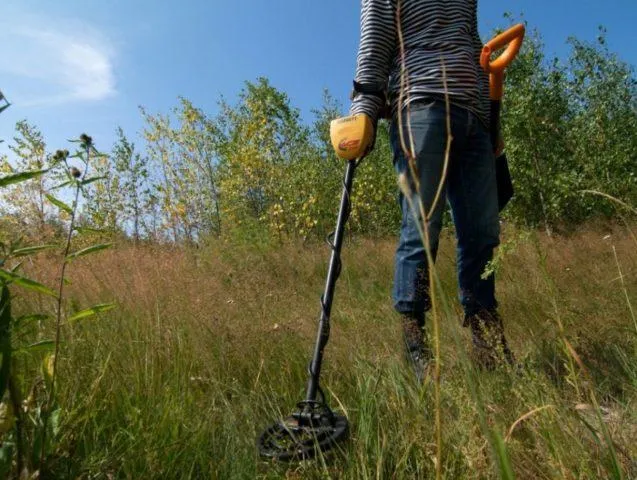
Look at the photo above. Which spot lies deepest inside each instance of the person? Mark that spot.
(414, 55)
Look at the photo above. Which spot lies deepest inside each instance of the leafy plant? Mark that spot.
(27, 443)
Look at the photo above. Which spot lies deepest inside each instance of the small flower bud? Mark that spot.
(60, 155)
(84, 138)
(75, 172)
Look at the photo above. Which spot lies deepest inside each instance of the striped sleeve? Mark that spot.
(484, 104)
(375, 54)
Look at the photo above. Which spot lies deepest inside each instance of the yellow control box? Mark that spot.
(351, 136)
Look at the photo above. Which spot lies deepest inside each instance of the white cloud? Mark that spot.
(47, 65)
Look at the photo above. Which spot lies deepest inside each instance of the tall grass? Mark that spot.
(206, 347)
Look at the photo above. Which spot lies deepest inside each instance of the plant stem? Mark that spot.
(60, 297)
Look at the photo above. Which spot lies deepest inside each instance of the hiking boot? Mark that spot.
(490, 347)
(416, 345)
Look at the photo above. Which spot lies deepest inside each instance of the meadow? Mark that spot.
(208, 346)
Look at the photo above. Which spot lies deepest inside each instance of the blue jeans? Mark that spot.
(469, 187)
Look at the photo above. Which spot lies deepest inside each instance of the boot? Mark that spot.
(416, 345)
(490, 347)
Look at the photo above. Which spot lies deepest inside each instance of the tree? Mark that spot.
(132, 169)
(25, 203)
(569, 127)
(262, 144)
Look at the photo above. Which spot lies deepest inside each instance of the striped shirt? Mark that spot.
(433, 31)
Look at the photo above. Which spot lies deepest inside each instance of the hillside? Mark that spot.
(206, 347)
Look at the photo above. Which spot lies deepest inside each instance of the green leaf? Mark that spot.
(88, 250)
(26, 283)
(36, 317)
(504, 463)
(5, 366)
(5, 309)
(62, 185)
(60, 204)
(16, 267)
(54, 422)
(91, 180)
(20, 177)
(43, 345)
(6, 459)
(103, 307)
(22, 252)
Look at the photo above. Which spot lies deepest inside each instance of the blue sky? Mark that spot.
(74, 66)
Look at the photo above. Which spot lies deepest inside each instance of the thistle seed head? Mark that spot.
(60, 155)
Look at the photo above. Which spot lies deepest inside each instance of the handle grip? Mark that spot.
(512, 40)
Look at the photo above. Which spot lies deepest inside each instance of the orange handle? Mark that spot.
(512, 40)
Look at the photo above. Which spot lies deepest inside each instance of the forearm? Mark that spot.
(375, 53)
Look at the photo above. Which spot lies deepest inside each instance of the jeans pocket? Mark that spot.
(426, 103)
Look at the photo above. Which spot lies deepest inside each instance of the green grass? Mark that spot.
(208, 347)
